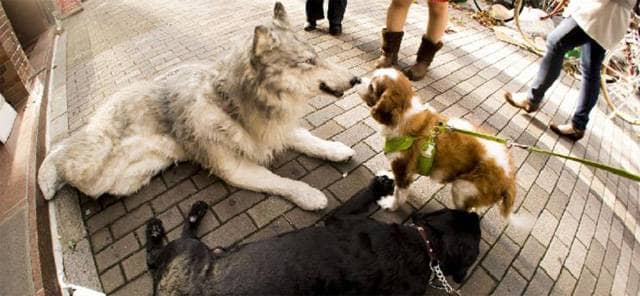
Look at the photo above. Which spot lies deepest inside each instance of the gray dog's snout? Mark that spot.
(355, 80)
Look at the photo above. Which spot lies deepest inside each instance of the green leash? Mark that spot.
(618, 171)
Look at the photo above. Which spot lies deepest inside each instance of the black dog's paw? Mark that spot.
(198, 210)
(155, 231)
(382, 185)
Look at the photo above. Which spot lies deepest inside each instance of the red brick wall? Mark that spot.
(15, 69)
(67, 6)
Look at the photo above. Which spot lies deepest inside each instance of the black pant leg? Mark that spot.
(336, 11)
(314, 10)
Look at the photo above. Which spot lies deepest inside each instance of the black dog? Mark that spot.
(352, 254)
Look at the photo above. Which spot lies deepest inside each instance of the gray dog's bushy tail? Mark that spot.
(48, 178)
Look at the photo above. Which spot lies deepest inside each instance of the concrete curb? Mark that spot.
(75, 266)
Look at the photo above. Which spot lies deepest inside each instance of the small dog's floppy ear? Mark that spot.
(383, 110)
(280, 18)
(263, 40)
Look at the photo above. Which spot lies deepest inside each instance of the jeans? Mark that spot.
(334, 13)
(565, 37)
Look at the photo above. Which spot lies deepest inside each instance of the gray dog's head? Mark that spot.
(287, 65)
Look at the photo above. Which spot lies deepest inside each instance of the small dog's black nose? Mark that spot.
(355, 80)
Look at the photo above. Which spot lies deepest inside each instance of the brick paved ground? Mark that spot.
(586, 235)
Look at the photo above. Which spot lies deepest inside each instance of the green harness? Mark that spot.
(427, 151)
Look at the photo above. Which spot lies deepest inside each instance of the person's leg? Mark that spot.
(314, 12)
(438, 18)
(591, 59)
(392, 34)
(563, 38)
(397, 15)
(566, 36)
(432, 40)
(335, 14)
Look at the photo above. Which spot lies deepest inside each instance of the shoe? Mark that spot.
(426, 52)
(335, 29)
(390, 47)
(567, 131)
(311, 25)
(521, 100)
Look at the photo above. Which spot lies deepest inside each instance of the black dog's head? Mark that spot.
(455, 237)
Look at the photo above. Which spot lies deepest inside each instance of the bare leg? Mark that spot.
(437, 23)
(397, 15)
(303, 141)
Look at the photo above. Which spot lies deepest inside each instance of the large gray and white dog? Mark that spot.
(231, 118)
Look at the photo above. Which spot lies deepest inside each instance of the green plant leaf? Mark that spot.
(398, 144)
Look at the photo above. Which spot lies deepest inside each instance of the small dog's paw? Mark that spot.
(308, 198)
(388, 202)
(155, 231)
(198, 210)
(340, 152)
(382, 185)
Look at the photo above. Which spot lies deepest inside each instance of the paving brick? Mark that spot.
(512, 284)
(322, 176)
(173, 195)
(203, 179)
(557, 203)
(177, 173)
(211, 195)
(586, 283)
(155, 187)
(553, 260)
(479, 283)
(575, 261)
(354, 134)
(352, 116)
(327, 130)
(275, 228)
(541, 284)
(142, 286)
(101, 239)
(131, 221)
(291, 170)
(611, 257)
(171, 218)
(500, 256)
(605, 281)
(230, 232)
(237, 203)
(135, 265)
(567, 228)
(116, 252)
(529, 258)
(268, 210)
(301, 218)
(519, 233)
(346, 187)
(105, 217)
(565, 283)
(535, 200)
(594, 258)
(321, 116)
(363, 153)
(112, 279)
(544, 228)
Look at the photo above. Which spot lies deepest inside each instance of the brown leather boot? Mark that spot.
(426, 52)
(567, 131)
(390, 47)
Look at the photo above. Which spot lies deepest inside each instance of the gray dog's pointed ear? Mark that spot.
(280, 18)
(263, 40)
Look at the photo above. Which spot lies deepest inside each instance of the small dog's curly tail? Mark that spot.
(48, 178)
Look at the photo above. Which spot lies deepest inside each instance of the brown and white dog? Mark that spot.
(481, 172)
